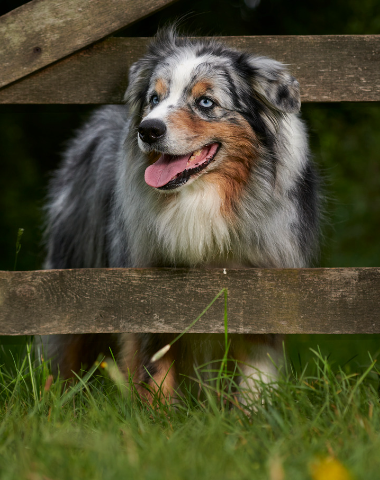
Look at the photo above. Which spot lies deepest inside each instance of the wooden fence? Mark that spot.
(58, 52)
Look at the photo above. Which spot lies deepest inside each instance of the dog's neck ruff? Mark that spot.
(190, 226)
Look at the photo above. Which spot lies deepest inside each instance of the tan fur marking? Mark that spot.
(161, 87)
(164, 380)
(132, 361)
(200, 89)
(153, 157)
(237, 155)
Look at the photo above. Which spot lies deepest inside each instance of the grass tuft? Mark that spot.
(319, 420)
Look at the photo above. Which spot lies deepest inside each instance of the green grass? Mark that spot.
(98, 429)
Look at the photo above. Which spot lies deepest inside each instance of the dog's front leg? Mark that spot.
(155, 381)
(259, 359)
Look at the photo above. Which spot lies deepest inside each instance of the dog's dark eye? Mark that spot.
(154, 100)
(205, 102)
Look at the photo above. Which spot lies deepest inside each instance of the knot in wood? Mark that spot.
(26, 291)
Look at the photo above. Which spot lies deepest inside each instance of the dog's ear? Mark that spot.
(274, 84)
(139, 74)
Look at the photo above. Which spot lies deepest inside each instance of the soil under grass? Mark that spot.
(319, 424)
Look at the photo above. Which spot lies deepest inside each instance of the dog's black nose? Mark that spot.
(151, 130)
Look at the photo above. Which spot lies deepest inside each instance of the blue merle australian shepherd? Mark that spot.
(207, 165)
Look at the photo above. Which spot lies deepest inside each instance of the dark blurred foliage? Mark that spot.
(31, 140)
(344, 137)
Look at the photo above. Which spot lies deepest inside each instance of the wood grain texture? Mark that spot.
(329, 68)
(44, 31)
(341, 300)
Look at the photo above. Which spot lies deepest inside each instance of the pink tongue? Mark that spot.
(168, 166)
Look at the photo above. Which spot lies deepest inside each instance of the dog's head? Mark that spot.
(203, 109)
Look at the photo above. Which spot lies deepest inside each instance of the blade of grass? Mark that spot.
(77, 387)
(18, 245)
(353, 391)
(225, 319)
(160, 353)
(32, 373)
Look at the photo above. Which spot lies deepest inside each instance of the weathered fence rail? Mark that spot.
(44, 31)
(337, 300)
(329, 68)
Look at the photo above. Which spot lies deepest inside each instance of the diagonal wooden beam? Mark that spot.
(320, 300)
(332, 68)
(44, 31)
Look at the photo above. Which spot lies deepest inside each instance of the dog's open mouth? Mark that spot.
(172, 171)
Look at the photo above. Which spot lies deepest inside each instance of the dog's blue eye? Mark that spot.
(154, 100)
(205, 102)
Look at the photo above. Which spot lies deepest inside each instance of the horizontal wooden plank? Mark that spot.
(329, 68)
(41, 32)
(338, 300)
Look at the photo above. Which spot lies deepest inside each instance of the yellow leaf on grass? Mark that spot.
(329, 468)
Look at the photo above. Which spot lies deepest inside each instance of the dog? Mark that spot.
(206, 164)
